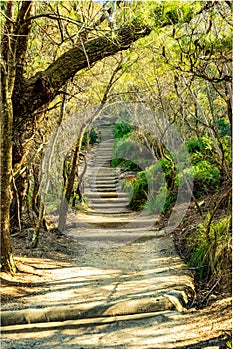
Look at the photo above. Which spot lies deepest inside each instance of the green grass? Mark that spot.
(211, 252)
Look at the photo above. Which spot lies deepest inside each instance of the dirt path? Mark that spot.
(105, 276)
(124, 279)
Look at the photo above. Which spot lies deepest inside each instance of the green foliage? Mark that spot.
(90, 138)
(122, 130)
(138, 188)
(227, 149)
(173, 12)
(200, 148)
(211, 251)
(125, 164)
(206, 177)
(223, 127)
(149, 189)
(125, 151)
(205, 169)
(157, 202)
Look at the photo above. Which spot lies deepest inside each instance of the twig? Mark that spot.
(225, 195)
(17, 200)
(211, 290)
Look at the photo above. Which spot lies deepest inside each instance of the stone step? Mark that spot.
(99, 161)
(107, 203)
(104, 183)
(117, 223)
(104, 171)
(106, 147)
(99, 164)
(95, 185)
(107, 206)
(94, 178)
(100, 172)
(103, 189)
(102, 160)
(106, 195)
(99, 182)
(104, 177)
(102, 155)
(104, 166)
(103, 149)
(97, 189)
(108, 142)
(108, 200)
(112, 211)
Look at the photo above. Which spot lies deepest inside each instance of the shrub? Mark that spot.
(122, 130)
(211, 250)
(223, 126)
(90, 138)
(155, 203)
(149, 189)
(206, 177)
(138, 188)
(125, 152)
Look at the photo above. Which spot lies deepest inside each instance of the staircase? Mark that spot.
(103, 188)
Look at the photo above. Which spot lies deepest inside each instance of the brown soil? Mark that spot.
(206, 325)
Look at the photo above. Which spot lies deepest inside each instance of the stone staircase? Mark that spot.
(103, 189)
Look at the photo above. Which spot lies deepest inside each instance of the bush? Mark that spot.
(211, 251)
(90, 138)
(122, 130)
(156, 202)
(137, 188)
(201, 149)
(206, 177)
(124, 153)
(149, 190)
(223, 126)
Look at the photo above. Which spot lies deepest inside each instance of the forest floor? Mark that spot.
(62, 271)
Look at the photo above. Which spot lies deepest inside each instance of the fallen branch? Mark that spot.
(211, 291)
(82, 322)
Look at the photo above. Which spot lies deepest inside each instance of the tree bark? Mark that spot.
(35, 238)
(6, 177)
(7, 83)
(45, 85)
(70, 184)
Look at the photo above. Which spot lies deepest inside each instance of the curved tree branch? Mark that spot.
(45, 85)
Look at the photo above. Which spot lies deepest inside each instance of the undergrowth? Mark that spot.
(211, 248)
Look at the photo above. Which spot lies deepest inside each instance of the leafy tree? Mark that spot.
(24, 96)
(47, 44)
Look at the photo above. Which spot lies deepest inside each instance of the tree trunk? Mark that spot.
(41, 210)
(70, 184)
(6, 170)
(45, 85)
(14, 41)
